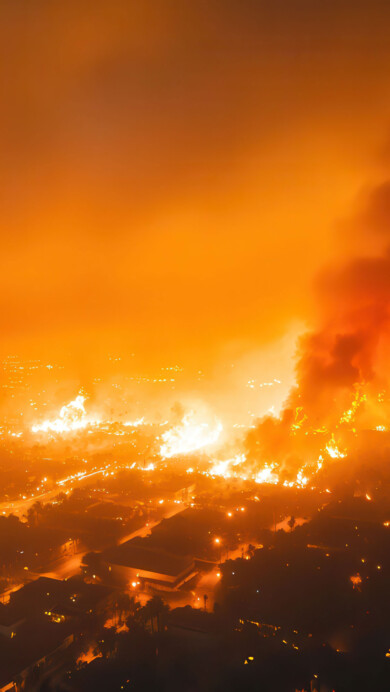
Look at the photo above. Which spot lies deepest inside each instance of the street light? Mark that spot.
(218, 541)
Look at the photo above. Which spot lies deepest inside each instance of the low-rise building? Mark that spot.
(131, 562)
(39, 624)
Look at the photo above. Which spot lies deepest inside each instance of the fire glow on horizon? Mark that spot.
(196, 435)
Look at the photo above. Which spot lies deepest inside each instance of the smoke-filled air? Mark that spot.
(195, 346)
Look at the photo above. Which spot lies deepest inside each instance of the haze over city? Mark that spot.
(195, 289)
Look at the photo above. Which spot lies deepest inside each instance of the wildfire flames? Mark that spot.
(284, 450)
(72, 417)
(341, 367)
(340, 391)
(190, 436)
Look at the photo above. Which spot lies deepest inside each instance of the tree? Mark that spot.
(134, 606)
(33, 513)
(122, 604)
(156, 609)
(136, 614)
(291, 522)
(251, 550)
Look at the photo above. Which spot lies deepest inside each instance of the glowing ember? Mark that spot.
(349, 416)
(118, 625)
(334, 451)
(88, 656)
(356, 581)
(301, 479)
(299, 419)
(188, 437)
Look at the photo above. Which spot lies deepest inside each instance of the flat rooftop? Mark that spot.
(131, 555)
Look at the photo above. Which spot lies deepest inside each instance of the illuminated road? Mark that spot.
(20, 507)
(65, 567)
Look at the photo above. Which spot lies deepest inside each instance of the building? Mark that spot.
(11, 618)
(40, 623)
(131, 562)
(38, 646)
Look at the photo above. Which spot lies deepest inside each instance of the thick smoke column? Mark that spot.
(346, 353)
(353, 303)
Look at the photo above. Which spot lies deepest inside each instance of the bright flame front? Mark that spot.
(189, 437)
(72, 417)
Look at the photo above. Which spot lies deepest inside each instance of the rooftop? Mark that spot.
(43, 594)
(151, 560)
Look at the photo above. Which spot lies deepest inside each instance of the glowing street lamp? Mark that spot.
(218, 542)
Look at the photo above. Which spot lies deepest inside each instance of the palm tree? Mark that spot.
(122, 604)
(147, 616)
(134, 606)
(156, 609)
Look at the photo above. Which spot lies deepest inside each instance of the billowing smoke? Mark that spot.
(343, 352)
(341, 365)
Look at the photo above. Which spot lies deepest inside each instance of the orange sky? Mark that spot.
(174, 174)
